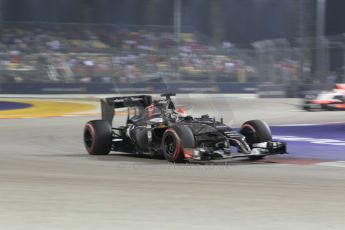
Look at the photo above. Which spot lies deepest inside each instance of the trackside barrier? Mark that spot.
(96, 88)
(271, 91)
(291, 90)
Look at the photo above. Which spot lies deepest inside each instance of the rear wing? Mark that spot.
(109, 104)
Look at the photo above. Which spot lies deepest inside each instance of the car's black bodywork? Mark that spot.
(154, 127)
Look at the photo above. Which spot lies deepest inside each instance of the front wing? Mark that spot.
(258, 151)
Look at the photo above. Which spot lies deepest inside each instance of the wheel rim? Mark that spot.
(170, 145)
(249, 134)
(88, 139)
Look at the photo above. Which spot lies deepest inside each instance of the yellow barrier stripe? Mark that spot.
(46, 108)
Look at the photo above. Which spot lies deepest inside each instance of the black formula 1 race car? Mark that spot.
(156, 127)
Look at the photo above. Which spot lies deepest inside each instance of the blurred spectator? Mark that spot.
(88, 53)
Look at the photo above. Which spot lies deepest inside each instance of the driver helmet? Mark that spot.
(181, 112)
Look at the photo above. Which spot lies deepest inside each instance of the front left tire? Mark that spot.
(174, 140)
(256, 131)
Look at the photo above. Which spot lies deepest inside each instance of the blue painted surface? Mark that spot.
(326, 142)
(8, 105)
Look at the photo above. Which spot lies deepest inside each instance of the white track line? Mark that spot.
(313, 124)
(339, 164)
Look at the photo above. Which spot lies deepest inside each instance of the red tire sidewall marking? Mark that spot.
(93, 136)
(248, 126)
(178, 144)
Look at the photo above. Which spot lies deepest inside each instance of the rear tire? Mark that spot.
(98, 137)
(256, 131)
(174, 140)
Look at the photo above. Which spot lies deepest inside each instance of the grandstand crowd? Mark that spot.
(94, 53)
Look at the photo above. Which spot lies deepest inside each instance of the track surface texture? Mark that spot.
(48, 182)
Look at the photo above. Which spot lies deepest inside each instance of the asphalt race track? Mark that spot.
(48, 182)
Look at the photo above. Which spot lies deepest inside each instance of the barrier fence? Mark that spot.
(85, 88)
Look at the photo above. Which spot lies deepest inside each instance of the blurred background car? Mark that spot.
(329, 100)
